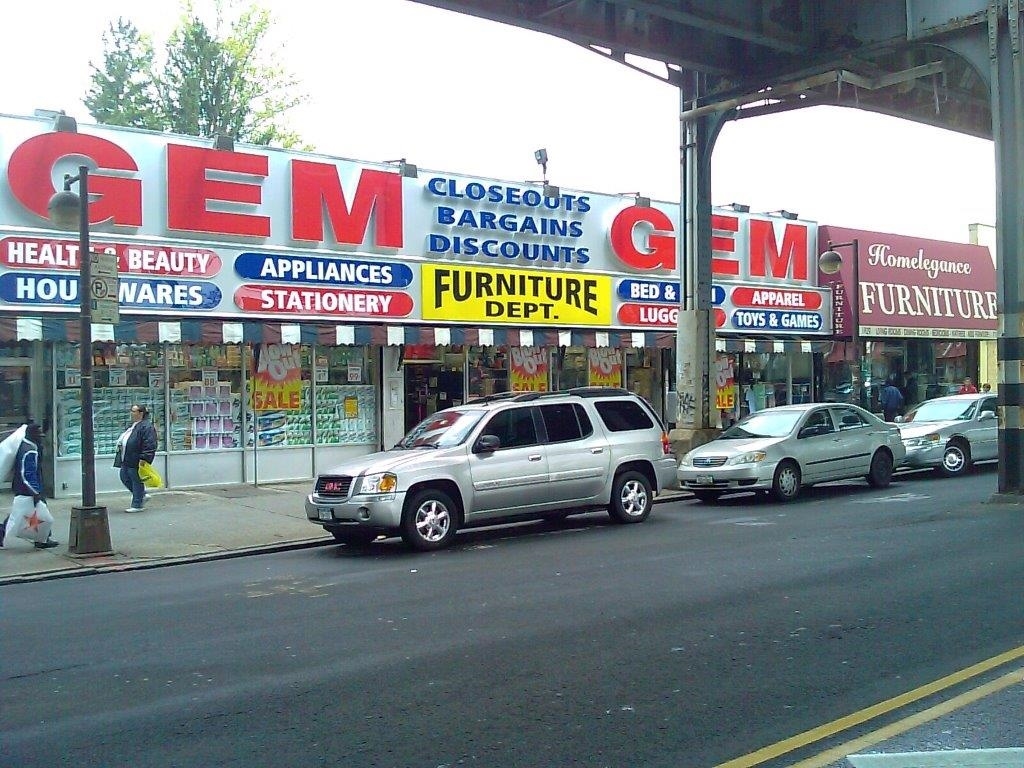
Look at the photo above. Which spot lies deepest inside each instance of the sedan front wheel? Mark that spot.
(956, 459)
(786, 484)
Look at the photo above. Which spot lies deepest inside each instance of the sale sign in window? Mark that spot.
(277, 383)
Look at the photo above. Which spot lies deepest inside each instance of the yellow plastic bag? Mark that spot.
(149, 476)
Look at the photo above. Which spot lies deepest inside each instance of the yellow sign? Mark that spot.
(528, 369)
(605, 367)
(278, 379)
(515, 296)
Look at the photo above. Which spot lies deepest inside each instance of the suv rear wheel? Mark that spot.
(631, 497)
(430, 520)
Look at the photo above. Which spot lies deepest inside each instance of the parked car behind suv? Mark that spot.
(951, 433)
(501, 458)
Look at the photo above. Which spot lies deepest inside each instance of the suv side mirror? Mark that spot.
(487, 444)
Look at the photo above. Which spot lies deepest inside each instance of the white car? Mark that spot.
(780, 450)
(950, 433)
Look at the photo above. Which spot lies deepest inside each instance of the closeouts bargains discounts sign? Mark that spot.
(267, 233)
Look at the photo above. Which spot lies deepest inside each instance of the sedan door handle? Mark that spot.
(535, 457)
(597, 450)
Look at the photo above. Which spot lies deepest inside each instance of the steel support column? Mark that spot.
(697, 420)
(1007, 89)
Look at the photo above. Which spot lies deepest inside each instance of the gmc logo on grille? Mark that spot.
(333, 486)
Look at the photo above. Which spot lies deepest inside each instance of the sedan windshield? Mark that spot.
(441, 430)
(770, 423)
(941, 410)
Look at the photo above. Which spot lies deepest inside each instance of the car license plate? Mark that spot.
(326, 513)
(704, 480)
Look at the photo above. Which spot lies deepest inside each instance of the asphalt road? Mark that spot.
(702, 635)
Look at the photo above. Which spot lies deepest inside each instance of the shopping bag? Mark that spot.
(149, 476)
(29, 521)
(9, 451)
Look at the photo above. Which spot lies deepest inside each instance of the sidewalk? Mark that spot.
(177, 526)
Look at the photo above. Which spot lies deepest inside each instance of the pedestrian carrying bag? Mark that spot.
(9, 452)
(149, 476)
(29, 521)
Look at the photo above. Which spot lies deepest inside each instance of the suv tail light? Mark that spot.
(666, 445)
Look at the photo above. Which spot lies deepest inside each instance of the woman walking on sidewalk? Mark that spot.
(137, 443)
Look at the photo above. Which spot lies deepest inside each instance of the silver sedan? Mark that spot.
(782, 449)
(950, 433)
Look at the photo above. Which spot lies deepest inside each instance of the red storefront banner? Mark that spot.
(911, 286)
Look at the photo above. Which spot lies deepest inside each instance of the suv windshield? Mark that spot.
(770, 423)
(942, 410)
(442, 429)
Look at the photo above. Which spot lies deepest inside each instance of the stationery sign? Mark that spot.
(278, 379)
(529, 369)
(605, 367)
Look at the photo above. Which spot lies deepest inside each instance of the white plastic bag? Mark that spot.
(9, 451)
(29, 521)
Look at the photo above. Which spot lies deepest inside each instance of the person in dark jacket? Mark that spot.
(891, 400)
(28, 476)
(138, 443)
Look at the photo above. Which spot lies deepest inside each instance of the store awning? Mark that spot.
(763, 346)
(221, 332)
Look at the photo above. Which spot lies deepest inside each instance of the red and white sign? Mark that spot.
(913, 287)
(333, 302)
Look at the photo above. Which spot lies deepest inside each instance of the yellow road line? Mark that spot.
(869, 713)
(895, 729)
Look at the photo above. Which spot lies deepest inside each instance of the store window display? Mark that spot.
(346, 396)
(123, 375)
(488, 371)
(205, 396)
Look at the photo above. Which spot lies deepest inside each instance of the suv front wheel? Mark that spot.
(430, 520)
(631, 497)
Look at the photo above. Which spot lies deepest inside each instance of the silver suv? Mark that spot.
(502, 458)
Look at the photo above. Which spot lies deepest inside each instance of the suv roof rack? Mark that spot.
(523, 397)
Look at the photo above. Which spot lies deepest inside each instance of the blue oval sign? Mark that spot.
(772, 321)
(278, 268)
(44, 288)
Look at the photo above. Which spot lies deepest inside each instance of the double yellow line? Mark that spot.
(856, 718)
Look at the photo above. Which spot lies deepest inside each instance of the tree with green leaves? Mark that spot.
(217, 79)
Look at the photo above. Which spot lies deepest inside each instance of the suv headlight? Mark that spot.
(379, 482)
(923, 441)
(750, 457)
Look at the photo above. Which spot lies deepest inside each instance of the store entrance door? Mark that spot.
(15, 394)
(429, 388)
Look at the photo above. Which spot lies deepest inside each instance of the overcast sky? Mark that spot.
(392, 78)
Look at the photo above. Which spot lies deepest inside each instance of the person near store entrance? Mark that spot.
(28, 478)
(968, 388)
(137, 443)
(891, 400)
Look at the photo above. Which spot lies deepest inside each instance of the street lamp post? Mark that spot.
(830, 262)
(90, 528)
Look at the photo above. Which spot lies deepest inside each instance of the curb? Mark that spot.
(87, 569)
